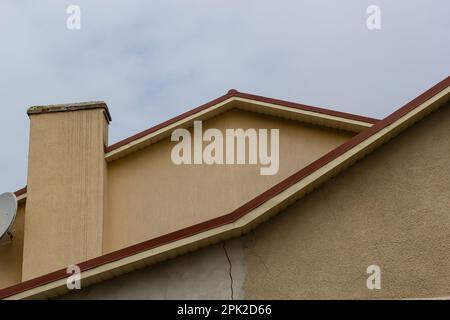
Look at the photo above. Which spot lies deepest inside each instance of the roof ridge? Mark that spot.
(306, 107)
(235, 93)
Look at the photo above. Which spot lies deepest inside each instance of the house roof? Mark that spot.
(249, 215)
(255, 103)
(233, 93)
(245, 101)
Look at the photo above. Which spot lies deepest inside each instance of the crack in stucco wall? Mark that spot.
(229, 270)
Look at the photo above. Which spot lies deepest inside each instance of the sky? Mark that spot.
(152, 60)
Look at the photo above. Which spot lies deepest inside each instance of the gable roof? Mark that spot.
(232, 99)
(245, 101)
(247, 216)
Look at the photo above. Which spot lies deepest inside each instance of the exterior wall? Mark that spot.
(204, 274)
(391, 209)
(146, 188)
(11, 253)
(65, 199)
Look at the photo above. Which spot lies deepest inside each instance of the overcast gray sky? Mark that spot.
(151, 60)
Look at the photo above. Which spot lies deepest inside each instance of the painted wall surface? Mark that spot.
(66, 161)
(150, 196)
(203, 274)
(11, 253)
(391, 209)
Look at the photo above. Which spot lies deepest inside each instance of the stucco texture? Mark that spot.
(145, 188)
(203, 274)
(391, 209)
(11, 253)
(66, 161)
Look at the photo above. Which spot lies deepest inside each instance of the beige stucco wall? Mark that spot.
(11, 253)
(150, 196)
(203, 274)
(391, 209)
(66, 162)
(66, 190)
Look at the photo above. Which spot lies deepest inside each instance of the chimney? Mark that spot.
(66, 196)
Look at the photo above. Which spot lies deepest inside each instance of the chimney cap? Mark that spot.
(71, 107)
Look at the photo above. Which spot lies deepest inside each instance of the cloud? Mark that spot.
(151, 60)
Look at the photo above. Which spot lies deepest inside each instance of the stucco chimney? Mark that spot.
(66, 196)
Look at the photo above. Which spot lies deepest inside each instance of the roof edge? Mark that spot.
(305, 107)
(235, 93)
(142, 134)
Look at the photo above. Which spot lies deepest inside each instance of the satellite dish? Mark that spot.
(8, 210)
